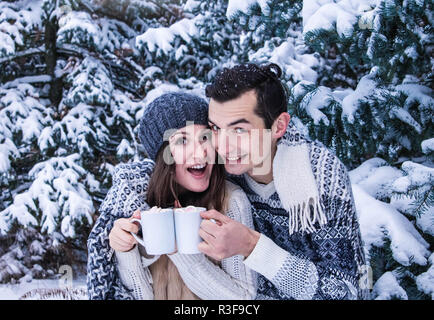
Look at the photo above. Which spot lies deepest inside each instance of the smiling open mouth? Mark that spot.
(197, 170)
(235, 158)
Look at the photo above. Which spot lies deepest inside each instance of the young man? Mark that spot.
(307, 242)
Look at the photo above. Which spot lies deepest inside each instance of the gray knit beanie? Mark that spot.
(169, 111)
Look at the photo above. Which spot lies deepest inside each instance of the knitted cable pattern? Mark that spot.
(324, 264)
(123, 198)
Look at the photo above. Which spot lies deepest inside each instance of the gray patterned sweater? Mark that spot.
(326, 263)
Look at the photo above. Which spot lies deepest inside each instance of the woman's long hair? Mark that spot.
(163, 190)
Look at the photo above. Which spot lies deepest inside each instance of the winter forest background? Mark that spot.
(76, 75)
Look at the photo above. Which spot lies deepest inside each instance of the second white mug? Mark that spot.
(187, 225)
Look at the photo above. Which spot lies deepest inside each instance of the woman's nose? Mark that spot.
(199, 152)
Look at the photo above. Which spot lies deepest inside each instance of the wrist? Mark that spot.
(251, 244)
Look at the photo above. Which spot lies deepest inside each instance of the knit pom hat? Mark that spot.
(169, 111)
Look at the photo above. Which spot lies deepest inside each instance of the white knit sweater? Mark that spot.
(234, 280)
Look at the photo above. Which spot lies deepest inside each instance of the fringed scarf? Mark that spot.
(295, 183)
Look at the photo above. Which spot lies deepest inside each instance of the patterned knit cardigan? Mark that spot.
(130, 182)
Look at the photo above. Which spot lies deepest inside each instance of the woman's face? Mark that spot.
(194, 156)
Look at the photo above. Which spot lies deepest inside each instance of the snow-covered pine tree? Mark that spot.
(195, 46)
(76, 75)
(271, 31)
(377, 64)
(264, 20)
(57, 155)
(386, 53)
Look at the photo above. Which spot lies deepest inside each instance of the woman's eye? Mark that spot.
(239, 130)
(214, 128)
(180, 141)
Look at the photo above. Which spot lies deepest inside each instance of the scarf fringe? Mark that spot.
(302, 218)
(296, 187)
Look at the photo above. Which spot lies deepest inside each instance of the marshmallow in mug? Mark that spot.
(191, 209)
(154, 209)
(187, 209)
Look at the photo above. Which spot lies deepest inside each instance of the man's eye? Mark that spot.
(239, 130)
(214, 128)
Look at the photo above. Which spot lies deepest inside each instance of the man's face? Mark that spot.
(240, 136)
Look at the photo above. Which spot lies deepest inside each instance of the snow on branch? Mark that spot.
(342, 15)
(163, 37)
(245, 6)
(57, 196)
(379, 220)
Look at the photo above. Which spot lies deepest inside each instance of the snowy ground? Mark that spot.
(15, 291)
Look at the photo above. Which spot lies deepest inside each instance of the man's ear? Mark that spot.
(280, 124)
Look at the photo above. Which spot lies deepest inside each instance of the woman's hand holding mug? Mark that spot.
(120, 238)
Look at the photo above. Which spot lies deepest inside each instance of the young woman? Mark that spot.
(182, 170)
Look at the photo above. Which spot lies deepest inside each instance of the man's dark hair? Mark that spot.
(231, 83)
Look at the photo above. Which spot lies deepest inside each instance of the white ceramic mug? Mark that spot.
(187, 225)
(158, 231)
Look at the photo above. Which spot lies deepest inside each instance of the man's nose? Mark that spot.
(223, 140)
(227, 142)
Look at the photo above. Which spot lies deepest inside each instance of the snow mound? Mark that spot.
(379, 220)
(387, 288)
(417, 175)
(425, 281)
(427, 146)
(375, 177)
